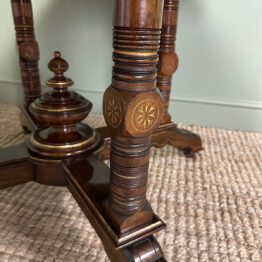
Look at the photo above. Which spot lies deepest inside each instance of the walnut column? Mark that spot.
(168, 60)
(28, 48)
(133, 109)
(168, 132)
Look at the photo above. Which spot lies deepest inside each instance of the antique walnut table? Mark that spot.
(61, 151)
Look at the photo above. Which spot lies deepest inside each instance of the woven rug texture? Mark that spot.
(212, 204)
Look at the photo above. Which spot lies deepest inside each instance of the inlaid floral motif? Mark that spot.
(145, 115)
(113, 111)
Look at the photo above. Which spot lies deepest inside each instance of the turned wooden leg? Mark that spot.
(168, 132)
(60, 152)
(168, 60)
(29, 56)
(28, 48)
(133, 109)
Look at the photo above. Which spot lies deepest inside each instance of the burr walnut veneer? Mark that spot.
(62, 151)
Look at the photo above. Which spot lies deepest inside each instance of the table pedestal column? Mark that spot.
(133, 109)
(168, 132)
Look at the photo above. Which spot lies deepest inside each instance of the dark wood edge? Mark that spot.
(15, 168)
(94, 209)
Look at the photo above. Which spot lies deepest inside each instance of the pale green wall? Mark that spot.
(219, 43)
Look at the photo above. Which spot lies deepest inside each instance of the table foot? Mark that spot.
(187, 141)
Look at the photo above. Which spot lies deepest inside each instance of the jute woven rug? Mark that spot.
(212, 204)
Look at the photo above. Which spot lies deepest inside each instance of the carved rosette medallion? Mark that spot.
(112, 110)
(145, 115)
(29, 51)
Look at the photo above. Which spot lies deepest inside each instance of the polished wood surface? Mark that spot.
(133, 109)
(168, 59)
(60, 154)
(63, 152)
(185, 140)
(61, 111)
(168, 132)
(89, 182)
(14, 166)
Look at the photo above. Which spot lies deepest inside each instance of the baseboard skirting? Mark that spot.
(242, 104)
(237, 104)
(236, 116)
(242, 115)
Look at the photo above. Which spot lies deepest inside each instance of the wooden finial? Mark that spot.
(59, 66)
(62, 111)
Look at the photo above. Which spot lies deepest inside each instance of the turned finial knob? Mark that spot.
(58, 66)
(61, 111)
